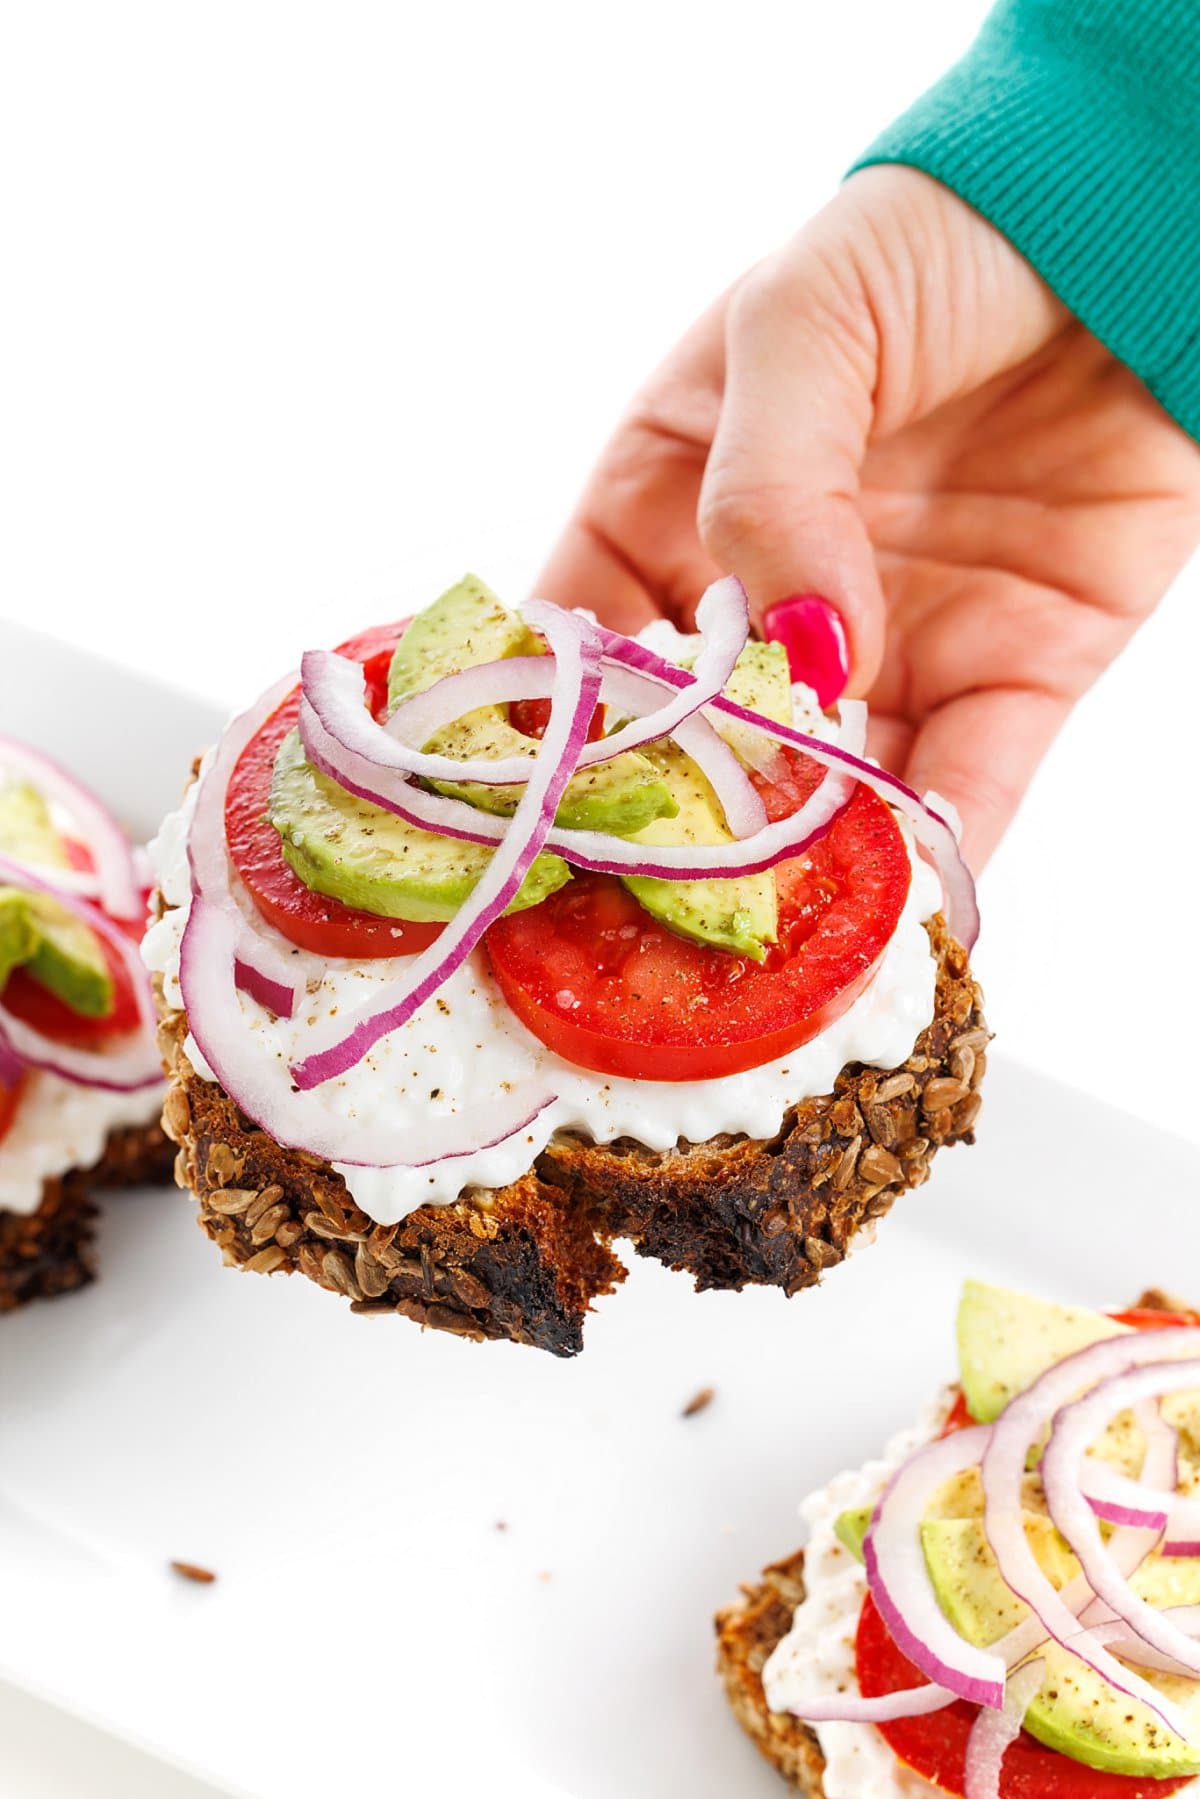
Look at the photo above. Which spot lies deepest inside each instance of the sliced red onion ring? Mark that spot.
(11, 1065)
(272, 995)
(361, 756)
(576, 649)
(852, 1708)
(1114, 1634)
(131, 1061)
(1003, 1466)
(930, 828)
(723, 618)
(993, 1734)
(261, 1085)
(899, 1581)
(265, 963)
(1075, 1427)
(116, 880)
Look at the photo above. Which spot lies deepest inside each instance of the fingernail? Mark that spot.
(814, 637)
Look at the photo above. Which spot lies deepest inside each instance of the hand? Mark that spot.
(895, 413)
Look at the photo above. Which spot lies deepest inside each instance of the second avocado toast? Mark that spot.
(716, 1009)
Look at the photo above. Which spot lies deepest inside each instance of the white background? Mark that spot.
(307, 309)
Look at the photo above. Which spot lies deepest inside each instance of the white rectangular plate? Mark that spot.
(470, 1565)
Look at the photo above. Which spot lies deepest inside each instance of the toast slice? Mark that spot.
(50, 1251)
(524, 1262)
(750, 1629)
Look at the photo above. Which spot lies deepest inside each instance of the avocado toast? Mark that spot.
(80, 1090)
(497, 937)
(1041, 1518)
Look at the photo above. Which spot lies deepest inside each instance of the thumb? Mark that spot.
(779, 503)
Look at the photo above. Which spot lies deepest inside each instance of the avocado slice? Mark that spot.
(370, 859)
(467, 626)
(851, 1527)
(67, 958)
(1006, 1340)
(26, 828)
(1075, 1711)
(36, 931)
(16, 932)
(739, 915)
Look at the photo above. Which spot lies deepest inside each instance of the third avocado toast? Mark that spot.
(1084, 1737)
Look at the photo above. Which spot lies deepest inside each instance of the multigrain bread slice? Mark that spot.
(750, 1629)
(524, 1262)
(50, 1251)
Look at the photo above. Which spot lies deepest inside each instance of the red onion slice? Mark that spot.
(1003, 1467)
(11, 1065)
(131, 1061)
(115, 878)
(361, 756)
(852, 1708)
(265, 963)
(576, 649)
(899, 1581)
(722, 617)
(1075, 1427)
(259, 1082)
(930, 828)
(993, 1734)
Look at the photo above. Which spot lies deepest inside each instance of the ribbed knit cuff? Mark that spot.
(1074, 127)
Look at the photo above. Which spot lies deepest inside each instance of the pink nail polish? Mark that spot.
(814, 637)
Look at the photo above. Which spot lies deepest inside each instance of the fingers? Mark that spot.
(779, 504)
(895, 300)
(980, 752)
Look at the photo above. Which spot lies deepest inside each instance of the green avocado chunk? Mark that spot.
(739, 915)
(36, 931)
(1006, 1340)
(851, 1527)
(467, 626)
(26, 829)
(370, 859)
(1075, 1710)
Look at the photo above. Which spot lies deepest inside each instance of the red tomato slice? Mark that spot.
(532, 716)
(28, 1000)
(936, 1746)
(607, 987)
(10, 1099)
(310, 920)
(1141, 1319)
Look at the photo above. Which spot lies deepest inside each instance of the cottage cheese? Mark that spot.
(60, 1125)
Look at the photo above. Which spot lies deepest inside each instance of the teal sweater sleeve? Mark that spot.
(1074, 126)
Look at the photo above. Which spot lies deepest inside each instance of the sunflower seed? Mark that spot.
(232, 1202)
(267, 1260)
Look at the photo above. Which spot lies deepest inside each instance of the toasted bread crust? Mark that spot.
(525, 1261)
(750, 1629)
(747, 1632)
(50, 1251)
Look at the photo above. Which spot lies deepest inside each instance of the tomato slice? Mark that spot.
(10, 1099)
(1140, 1318)
(607, 987)
(936, 1746)
(310, 920)
(29, 1001)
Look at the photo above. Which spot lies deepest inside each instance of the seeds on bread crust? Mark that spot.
(524, 1262)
